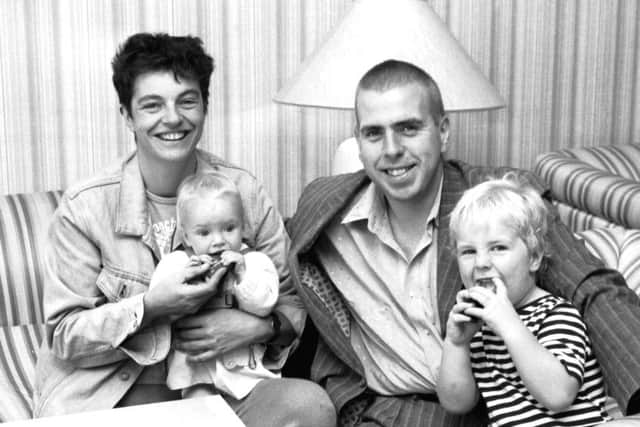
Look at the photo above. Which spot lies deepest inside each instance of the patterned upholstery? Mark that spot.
(23, 226)
(24, 219)
(594, 186)
(619, 249)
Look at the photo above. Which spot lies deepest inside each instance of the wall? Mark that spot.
(569, 70)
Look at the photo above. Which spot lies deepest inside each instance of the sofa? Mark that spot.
(597, 193)
(24, 220)
(594, 187)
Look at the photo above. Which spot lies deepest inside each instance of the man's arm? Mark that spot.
(608, 306)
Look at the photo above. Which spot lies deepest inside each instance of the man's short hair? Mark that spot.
(146, 52)
(510, 200)
(392, 73)
(204, 185)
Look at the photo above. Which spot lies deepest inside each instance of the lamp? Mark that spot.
(377, 30)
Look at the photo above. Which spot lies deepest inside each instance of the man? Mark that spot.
(374, 270)
(106, 328)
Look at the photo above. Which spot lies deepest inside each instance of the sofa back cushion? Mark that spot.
(617, 248)
(24, 221)
(601, 182)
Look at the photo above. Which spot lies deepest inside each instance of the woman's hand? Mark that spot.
(179, 287)
(209, 334)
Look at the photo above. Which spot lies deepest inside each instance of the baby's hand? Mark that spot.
(237, 259)
(197, 260)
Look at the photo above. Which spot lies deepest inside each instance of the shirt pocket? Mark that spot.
(117, 285)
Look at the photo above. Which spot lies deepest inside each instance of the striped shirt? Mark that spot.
(558, 327)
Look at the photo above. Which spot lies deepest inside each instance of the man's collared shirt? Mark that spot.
(393, 300)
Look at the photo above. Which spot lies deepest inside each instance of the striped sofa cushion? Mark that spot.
(617, 248)
(24, 220)
(603, 181)
(578, 220)
(18, 351)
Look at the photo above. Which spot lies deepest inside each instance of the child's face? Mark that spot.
(487, 248)
(213, 224)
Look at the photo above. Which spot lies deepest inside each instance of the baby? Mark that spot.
(525, 351)
(210, 216)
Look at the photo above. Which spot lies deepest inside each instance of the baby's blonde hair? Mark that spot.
(209, 184)
(509, 199)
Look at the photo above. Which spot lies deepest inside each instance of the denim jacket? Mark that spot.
(99, 261)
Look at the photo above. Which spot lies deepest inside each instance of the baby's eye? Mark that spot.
(467, 252)
(203, 233)
(499, 248)
(230, 228)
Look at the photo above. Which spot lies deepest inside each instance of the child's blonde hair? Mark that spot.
(509, 199)
(204, 185)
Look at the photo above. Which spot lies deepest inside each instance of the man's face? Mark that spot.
(166, 116)
(400, 143)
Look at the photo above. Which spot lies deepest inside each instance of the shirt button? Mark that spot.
(124, 376)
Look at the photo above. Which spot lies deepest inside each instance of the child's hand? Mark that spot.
(232, 257)
(461, 326)
(495, 309)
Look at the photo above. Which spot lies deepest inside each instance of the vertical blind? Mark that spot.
(569, 70)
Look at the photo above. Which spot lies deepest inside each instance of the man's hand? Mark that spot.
(209, 334)
(170, 295)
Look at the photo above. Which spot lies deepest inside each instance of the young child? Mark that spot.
(209, 213)
(525, 351)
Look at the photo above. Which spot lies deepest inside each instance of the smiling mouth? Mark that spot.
(397, 172)
(172, 136)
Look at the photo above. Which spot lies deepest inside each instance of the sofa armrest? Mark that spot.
(24, 221)
(602, 181)
(18, 349)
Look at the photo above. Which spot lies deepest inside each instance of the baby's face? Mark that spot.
(486, 248)
(212, 225)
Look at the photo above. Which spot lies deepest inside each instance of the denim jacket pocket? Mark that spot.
(117, 285)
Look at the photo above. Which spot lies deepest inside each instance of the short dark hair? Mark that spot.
(393, 73)
(146, 52)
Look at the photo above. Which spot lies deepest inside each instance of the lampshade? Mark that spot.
(376, 30)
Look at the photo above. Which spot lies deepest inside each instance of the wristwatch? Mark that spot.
(275, 325)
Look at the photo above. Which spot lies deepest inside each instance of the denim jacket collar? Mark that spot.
(132, 217)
